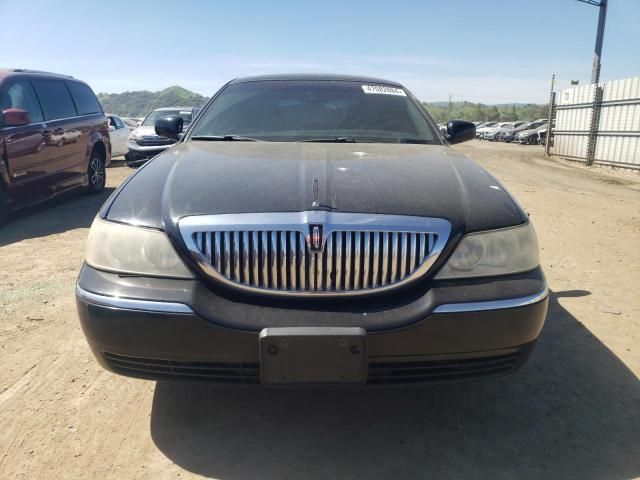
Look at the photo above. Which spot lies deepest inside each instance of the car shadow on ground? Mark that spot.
(573, 411)
(69, 211)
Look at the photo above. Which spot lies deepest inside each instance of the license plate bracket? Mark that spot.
(313, 355)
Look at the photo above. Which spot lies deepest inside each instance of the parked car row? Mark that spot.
(531, 133)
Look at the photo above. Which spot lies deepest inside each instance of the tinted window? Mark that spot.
(55, 99)
(119, 123)
(20, 95)
(86, 101)
(307, 110)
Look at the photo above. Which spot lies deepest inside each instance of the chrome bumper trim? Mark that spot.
(131, 304)
(492, 304)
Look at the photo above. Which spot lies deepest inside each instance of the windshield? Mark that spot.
(156, 114)
(289, 111)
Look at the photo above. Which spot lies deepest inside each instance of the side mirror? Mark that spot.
(460, 131)
(170, 127)
(14, 117)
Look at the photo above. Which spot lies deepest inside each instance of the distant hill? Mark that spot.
(504, 112)
(140, 103)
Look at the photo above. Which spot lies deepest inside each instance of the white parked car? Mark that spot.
(495, 128)
(118, 134)
(483, 128)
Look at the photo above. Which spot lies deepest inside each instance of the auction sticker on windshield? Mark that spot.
(381, 89)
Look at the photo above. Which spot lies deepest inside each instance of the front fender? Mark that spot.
(95, 138)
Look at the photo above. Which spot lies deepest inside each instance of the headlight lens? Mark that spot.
(496, 252)
(126, 249)
(135, 135)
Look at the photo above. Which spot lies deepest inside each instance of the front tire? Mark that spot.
(96, 174)
(4, 207)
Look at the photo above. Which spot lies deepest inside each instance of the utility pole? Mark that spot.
(602, 16)
(449, 109)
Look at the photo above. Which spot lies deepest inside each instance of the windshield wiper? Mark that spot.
(224, 138)
(335, 140)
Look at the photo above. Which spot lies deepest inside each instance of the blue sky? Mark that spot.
(493, 51)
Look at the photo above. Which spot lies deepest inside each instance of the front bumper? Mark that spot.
(179, 329)
(139, 152)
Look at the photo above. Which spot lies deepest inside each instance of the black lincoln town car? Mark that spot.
(312, 230)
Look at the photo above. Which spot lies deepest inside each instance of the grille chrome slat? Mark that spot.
(303, 261)
(367, 260)
(236, 256)
(385, 258)
(245, 257)
(264, 259)
(376, 258)
(339, 260)
(403, 255)
(283, 259)
(357, 261)
(394, 256)
(356, 256)
(273, 260)
(330, 259)
(293, 255)
(227, 253)
(347, 261)
(255, 271)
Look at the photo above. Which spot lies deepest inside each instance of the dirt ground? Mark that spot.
(572, 412)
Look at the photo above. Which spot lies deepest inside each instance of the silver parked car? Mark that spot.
(144, 143)
(530, 136)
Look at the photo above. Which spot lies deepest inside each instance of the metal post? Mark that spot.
(595, 124)
(602, 16)
(552, 101)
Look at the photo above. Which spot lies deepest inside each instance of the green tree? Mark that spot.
(493, 113)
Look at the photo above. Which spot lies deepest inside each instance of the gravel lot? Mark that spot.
(572, 412)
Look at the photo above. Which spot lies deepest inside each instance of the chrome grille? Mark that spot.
(280, 260)
(272, 252)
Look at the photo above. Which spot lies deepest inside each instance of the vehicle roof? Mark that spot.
(316, 77)
(7, 72)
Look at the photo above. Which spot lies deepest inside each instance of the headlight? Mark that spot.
(126, 249)
(495, 252)
(135, 135)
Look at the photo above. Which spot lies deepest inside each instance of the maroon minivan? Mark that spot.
(54, 136)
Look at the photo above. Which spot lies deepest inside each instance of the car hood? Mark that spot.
(203, 178)
(146, 130)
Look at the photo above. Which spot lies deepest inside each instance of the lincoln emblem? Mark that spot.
(316, 238)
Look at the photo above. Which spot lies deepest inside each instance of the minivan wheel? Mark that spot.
(4, 208)
(96, 174)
